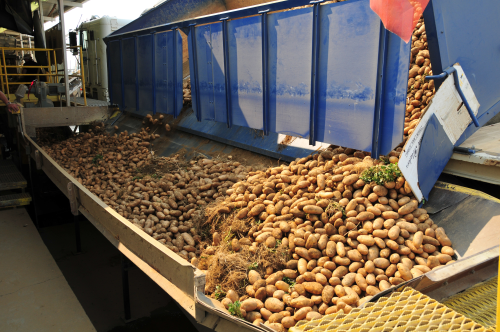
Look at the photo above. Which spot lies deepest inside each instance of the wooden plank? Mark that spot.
(180, 297)
(173, 268)
(63, 116)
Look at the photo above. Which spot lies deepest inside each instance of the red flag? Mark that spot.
(399, 16)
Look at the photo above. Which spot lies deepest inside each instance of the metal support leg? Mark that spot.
(32, 185)
(126, 294)
(77, 234)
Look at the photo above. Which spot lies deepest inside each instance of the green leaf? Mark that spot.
(253, 266)
(381, 174)
(234, 309)
(219, 293)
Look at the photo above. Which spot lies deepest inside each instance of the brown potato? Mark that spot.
(249, 305)
(301, 302)
(313, 287)
(274, 305)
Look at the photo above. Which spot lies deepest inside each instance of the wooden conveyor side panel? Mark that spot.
(168, 264)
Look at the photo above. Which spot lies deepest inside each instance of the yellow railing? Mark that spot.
(52, 77)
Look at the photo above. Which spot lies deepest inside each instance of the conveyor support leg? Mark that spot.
(126, 294)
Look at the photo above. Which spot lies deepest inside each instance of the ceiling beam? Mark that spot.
(66, 3)
(45, 18)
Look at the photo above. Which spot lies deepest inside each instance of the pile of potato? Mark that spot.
(167, 207)
(420, 91)
(186, 92)
(348, 239)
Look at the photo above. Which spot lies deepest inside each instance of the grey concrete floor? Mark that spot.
(95, 278)
(34, 294)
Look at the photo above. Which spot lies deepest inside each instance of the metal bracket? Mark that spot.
(73, 198)
(38, 160)
(467, 151)
(199, 281)
(449, 71)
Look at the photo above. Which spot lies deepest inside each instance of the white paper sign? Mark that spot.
(451, 114)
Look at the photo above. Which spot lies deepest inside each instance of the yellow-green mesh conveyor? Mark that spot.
(478, 303)
(408, 310)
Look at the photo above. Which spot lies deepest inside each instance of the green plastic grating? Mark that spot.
(478, 303)
(404, 311)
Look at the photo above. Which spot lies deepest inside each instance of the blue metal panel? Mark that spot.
(349, 52)
(352, 94)
(394, 82)
(163, 103)
(242, 137)
(129, 76)
(205, 79)
(290, 56)
(435, 151)
(194, 74)
(455, 24)
(209, 66)
(115, 77)
(359, 91)
(145, 74)
(178, 73)
(245, 71)
(168, 72)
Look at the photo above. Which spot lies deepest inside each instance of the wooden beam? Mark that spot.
(66, 3)
(63, 116)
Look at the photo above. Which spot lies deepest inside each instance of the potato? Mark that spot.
(408, 208)
(252, 316)
(444, 258)
(393, 233)
(253, 276)
(313, 287)
(383, 285)
(433, 262)
(390, 215)
(381, 263)
(447, 251)
(380, 191)
(404, 271)
(418, 238)
(320, 278)
(327, 294)
(301, 313)
(276, 318)
(442, 237)
(360, 281)
(249, 305)
(313, 209)
(288, 322)
(354, 255)
(226, 302)
(274, 305)
(372, 290)
(276, 327)
(366, 240)
(301, 302)
(273, 278)
(281, 285)
(302, 266)
(235, 244)
(232, 295)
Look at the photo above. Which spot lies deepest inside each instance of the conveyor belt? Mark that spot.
(408, 310)
(478, 303)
